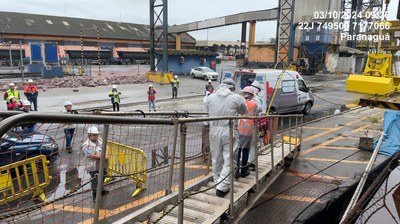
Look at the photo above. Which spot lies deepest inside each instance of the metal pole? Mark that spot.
(171, 169)
(277, 39)
(100, 177)
(283, 141)
(360, 186)
(43, 53)
(11, 61)
(81, 69)
(165, 36)
(255, 142)
(231, 194)
(22, 61)
(152, 36)
(271, 144)
(297, 130)
(182, 151)
(290, 134)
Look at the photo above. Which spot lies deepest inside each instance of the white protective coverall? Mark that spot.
(254, 85)
(223, 103)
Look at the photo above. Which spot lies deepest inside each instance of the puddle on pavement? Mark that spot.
(314, 115)
(67, 180)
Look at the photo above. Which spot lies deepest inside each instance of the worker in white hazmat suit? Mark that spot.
(224, 102)
(257, 89)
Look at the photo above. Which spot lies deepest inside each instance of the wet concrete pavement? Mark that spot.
(329, 88)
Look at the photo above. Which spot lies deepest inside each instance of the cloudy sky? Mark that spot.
(180, 11)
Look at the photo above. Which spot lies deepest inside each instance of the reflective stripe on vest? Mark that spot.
(245, 126)
(15, 93)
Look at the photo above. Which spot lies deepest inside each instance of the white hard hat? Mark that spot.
(209, 80)
(93, 130)
(229, 82)
(30, 81)
(27, 103)
(114, 86)
(150, 85)
(67, 103)
(248, 89)
(11, 97)
(11, 84)
(175, 77)
(257, 85)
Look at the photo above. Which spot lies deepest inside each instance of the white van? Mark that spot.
(293, 95)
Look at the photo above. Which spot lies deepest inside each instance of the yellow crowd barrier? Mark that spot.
(23, 178)
(162, 78)
(126, 160)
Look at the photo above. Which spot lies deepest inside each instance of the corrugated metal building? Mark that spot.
(116, 39)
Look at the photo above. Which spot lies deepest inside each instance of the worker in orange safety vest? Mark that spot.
(245, 129)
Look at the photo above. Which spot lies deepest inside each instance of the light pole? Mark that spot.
(22, 61)
(9, 50)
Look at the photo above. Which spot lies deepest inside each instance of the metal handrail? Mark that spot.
(179, 123)
(9, 122)
(140, 113)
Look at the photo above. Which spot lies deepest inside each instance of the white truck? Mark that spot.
(292, 95)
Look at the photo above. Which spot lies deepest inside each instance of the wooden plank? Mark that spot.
(214, 207)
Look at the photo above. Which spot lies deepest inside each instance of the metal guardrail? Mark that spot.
(126, 160)
(26, 171)
(180, 131)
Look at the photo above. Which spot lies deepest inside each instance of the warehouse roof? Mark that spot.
(23, 23)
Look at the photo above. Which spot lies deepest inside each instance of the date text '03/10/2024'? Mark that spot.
(349, 15)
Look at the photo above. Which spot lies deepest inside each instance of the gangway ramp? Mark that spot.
(203, 206)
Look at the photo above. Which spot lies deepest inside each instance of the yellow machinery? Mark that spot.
(378, 78)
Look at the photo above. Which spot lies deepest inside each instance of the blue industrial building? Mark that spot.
(180, 62)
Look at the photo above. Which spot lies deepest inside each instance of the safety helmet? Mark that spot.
(11, 84)
(93, 130)
(209, 81)
(257, 85)
(150, 85)
(248, 89)
(114, 86)
(175, 77)
(67, 103)
(229, 82)
(27, 103)
(11, 97)
(30, 81)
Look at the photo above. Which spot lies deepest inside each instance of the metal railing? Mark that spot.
(184, 132)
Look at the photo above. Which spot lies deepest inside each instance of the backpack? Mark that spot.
(263, 126)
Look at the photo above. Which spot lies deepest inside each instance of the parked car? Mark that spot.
(15, 147)
(205, 73)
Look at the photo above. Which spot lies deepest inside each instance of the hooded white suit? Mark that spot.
(223, 103)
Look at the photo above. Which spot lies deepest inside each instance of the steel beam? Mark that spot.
(158, 19)
(284, 32)
(261, 15)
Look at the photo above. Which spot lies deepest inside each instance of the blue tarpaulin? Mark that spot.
(391, 126)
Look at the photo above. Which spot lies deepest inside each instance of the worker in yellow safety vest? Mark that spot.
(115, 97)
(10, 94)
(175, 85)
(245, 129)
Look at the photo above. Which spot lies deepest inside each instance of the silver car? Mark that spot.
(205, 73)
